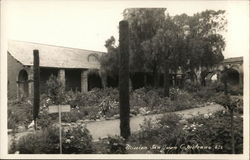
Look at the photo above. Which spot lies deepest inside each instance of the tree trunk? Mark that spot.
(166, 79)
(193, 77)
(124, 79)
(203, 76)
(36, 101)
(203, 81)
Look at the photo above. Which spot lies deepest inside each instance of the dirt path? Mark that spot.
(100, 129)
(111, 127)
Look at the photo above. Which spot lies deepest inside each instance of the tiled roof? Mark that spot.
(54, 56)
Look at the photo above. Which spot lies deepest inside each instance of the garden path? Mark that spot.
(100, 129)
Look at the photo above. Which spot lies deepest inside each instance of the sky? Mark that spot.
(88, 24)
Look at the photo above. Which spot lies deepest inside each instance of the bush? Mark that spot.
(184, 100)
(215, 130)
(104, 103)
(55, 90)
(209, 133)
(162, 131)
(19, 113)
(235, 90)
(191, 87)
(112, 145)
(153, 100)
(76, 139)
(39, 142)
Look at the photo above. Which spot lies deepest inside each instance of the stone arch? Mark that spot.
(93, 57)
(213, 75)
(233, 76)
(22, 84)
(235, 67)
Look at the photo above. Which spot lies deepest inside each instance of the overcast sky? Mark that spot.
(87, 24)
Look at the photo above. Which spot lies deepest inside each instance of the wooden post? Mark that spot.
(124, 79)
(36, 100)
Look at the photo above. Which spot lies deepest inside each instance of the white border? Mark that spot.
(3, 108)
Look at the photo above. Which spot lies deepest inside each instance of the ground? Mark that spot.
(111, 127)
(101, 129)
(149, 110)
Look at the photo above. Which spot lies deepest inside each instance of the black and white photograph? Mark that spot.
(124, 79)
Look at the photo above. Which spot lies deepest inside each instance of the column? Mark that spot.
(30, 82)
(18, 92)
(173, 79)
(61, 77)
(84, 81)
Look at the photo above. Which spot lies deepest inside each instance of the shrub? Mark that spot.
(205, 93)
(162, 131)
(104, 103)
(235, 90)
(19, 113)
(39, 142)
(153, 100)
(55, 90)
(45, 119)
(184, 100)
(191, 87)
(215, 130)
(112, 145)
(209, 133)
(76, 139)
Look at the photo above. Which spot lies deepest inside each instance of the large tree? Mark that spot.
(165, 50)
(110, 60)
(159, 42)
(204, 42)
(143, 25)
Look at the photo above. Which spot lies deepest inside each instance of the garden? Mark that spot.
(189, 47)
(103, 104)
(169, 134)
(204, 134)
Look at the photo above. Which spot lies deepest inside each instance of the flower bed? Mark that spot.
(75, 139)
(169, 134)
(209, 133)
(102, 104)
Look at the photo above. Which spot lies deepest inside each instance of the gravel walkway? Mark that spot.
(111, 127)
(100, 129)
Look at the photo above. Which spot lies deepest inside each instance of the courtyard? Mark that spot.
(165, 83)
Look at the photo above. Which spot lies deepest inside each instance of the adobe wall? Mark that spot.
(13, 69)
